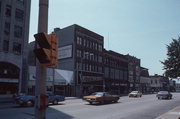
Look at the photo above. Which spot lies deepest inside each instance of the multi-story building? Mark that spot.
(144, 80)
(14, 33)
(81, 51)
(158, 83)
(115, 72)
(134, 72)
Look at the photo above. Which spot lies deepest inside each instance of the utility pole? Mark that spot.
(40, 69)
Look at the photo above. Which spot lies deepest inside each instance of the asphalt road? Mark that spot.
(146, 107)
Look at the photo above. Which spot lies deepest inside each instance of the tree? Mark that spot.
(172, 63)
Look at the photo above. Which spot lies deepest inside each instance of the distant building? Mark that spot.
(115, 72)
(159, 82)
(134, 72)
(144, 80)
(14, 34)
(81, 51)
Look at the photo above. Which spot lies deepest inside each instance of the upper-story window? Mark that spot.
(79, 40)
(19, 14)
(20, 1)
(84, 42)
(5, 45)
(18, 31)
(8, 10)
(100, 47)
(7, 28)
(78, 53)
(100, 59)
(17, 48)
(96, 46)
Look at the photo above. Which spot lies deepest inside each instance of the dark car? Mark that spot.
(29, 100)
(164, 95)
(101, 97)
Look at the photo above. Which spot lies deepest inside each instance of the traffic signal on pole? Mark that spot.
(47, 52)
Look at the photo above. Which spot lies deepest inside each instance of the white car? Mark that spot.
(135, 94)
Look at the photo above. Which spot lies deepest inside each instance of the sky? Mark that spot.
(141, 28)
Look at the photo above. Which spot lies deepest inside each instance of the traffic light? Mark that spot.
(48, 49)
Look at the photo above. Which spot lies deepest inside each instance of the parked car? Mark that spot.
(135, 94)
(29, 100)
(164, 95)
(101, 97)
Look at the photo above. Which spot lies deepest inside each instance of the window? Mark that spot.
(8, 11)
(78, 53)
(96, 46)
(19, 14)
(100, 59)
(84, 43)
(17, 48)
(7, 28)
(5, 45)
(20, 1)
(18, 31)
(87, 43)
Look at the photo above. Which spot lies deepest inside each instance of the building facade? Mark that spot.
(115, 72)
(158, 83)
(14, 34)
(133, 72)
(81, 51)
(145, 80)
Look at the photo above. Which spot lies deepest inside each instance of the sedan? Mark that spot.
(135, 94)
(164, 95)
(101, 97)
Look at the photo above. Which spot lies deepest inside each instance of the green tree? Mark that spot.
(172, 63)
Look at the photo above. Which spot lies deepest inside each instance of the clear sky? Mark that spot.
(141, 28)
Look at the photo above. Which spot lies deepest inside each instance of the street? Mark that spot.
(146, 107)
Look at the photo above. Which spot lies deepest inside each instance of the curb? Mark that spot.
(172, 114)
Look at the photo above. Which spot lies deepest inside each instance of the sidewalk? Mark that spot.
(7, 98)
(172, 114)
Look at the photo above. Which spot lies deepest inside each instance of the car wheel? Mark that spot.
(55, 102)
(90, 103)
(29, 103)
(158, 98)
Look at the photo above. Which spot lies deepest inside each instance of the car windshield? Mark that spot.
(134, 92)
(163, 92)
(97, 94)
